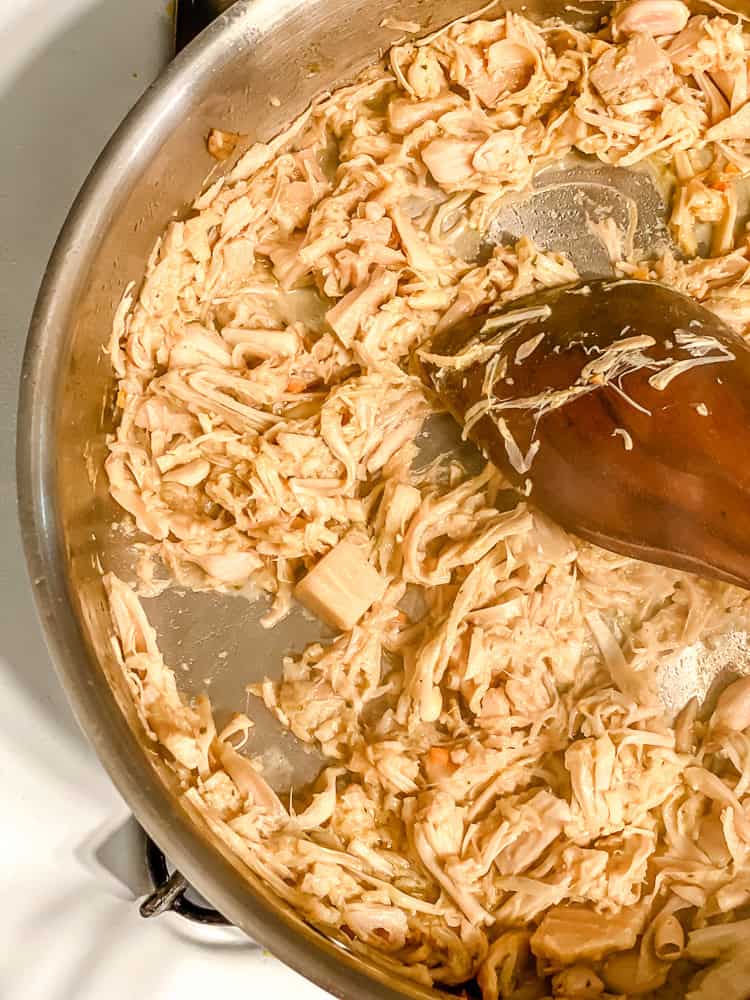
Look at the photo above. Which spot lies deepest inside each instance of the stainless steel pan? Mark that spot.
(151, 169)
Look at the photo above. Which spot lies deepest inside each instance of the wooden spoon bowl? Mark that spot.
(621, 408)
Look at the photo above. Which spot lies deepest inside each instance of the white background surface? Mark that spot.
(70, 70)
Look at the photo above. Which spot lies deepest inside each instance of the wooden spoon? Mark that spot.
(620, 408)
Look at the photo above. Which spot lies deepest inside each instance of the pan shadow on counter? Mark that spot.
(57, 111)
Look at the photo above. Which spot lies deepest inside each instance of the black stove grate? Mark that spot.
(170, 892)
(192, 16)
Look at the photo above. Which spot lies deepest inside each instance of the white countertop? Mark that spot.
(70, 71)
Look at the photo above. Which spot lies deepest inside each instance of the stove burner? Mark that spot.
(170, 892)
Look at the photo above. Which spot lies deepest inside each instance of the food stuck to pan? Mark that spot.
(508, 797)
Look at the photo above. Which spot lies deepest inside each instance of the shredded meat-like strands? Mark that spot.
(518, 810)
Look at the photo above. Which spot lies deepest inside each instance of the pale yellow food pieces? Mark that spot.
(341, 587)
(579, 934)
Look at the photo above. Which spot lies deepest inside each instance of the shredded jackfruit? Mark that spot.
(519, 810)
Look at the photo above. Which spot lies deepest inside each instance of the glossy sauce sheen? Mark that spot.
(661, 474)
